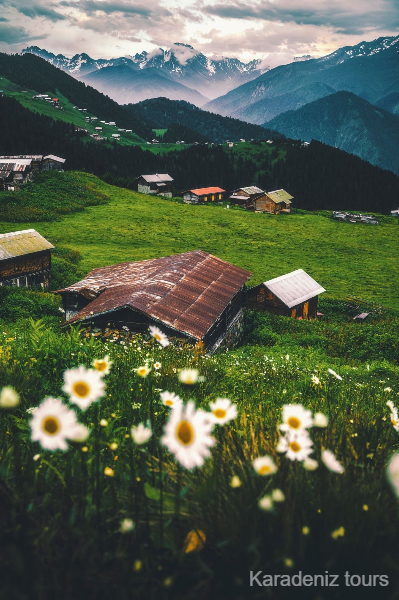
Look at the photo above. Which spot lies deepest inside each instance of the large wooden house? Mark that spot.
(202, 195)
(23, 168)
(250, 197)
(159, 184)
(276, 202)
(25, 259)
(292, 295)
(194, 296)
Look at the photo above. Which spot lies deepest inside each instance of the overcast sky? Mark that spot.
(273, 30)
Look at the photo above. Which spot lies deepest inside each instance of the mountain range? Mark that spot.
(345, 121)
(177, 73)
(369, 70)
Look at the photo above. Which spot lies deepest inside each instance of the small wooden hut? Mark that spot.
(276, 202)
(25, 259)
(292, 295)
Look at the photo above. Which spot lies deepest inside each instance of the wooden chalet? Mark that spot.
(194, 296)
(276, 202)
(6, 177)
(159, 184)
(292, 295)
(201, 195)
(36, 160)
(25, 259)
(52, 162)
(251, 197)
(21, 169)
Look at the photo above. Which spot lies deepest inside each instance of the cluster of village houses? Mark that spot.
(251, 197)
(15, 171)
(193, 296)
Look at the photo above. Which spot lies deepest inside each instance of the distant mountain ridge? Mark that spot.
(347, 122)
(182, 64)
(369, 70)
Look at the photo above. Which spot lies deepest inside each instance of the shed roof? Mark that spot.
(204, 191)
(280, 196)
(294, 288)
(18, 243)
(53, 157)
(157, 178)
(186, 292)
(252, 189)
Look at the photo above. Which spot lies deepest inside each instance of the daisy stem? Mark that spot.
(161, 495)
(177, 500)
(97, 474)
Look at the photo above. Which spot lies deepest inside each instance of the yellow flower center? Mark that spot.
(168, 402)
(185, 433)
(157, 337)
(294, 422)
(264, 470)
(393, 422)
(51, 425)
(80, 388)
(295, 447)
(142, 371)
(101, 365)
(220, 413)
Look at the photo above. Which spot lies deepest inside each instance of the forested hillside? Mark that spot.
(318, 176)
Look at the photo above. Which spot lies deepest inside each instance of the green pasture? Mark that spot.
(346, 259)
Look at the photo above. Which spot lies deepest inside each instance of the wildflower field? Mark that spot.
(138, 467)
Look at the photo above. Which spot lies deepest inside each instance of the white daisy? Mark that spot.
(157, 366)
(8, 397)
(143, 371)
(266, 503)
(222, 411)
(296, 418)
(278, 495)
(296, 445)
(310, 464)
(315, 380)
(159, 335)
(335, 374)
(264, 465)
(393, 473)
(188, 376)
(83, 386)
(102, 365)
(331, 462)
(52, 424)
(320, 420)
(141, 434)
(187, 435)
(170, 399)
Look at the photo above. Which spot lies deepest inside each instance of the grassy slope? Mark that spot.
(345, 259)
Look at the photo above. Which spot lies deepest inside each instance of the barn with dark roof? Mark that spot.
(194, 295)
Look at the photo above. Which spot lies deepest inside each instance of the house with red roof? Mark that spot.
(202, 195)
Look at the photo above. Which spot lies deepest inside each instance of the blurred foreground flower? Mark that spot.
(331, 462)
(83, 386)
(223, 411)
(52, 424)
(235, 482)
(266, 503)
(278, 495)
(141, 434)
(393, 473)
(310, 464)
(143, 371)
(109, 472)
(340, 532)
(188, 376)
(102, 365)
(335, 374)
(296, 418)
(81, 433)
(170, 399)
(8, 397)
(159, 335)
(126, 525)
(264, 465)
(187, 435)
(320, 420)
(194, 541)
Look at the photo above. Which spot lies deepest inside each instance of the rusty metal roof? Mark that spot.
(6, 169)
(187, 292)
(18, 243)
(294, 288)
(209, 190)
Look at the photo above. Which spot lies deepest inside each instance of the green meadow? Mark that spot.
(346, 259)
(111, 517)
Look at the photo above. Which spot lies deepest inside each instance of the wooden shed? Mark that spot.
(195, 296)
(53, 162)
(250, 197)
(202, 195)
(276, 202)
(25, 259)
(158, 184)
(292, 295)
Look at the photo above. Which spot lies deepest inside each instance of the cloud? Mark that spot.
(36, 10)
(16, 35)
(3, 20)
(92, 7)
(352, 17)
